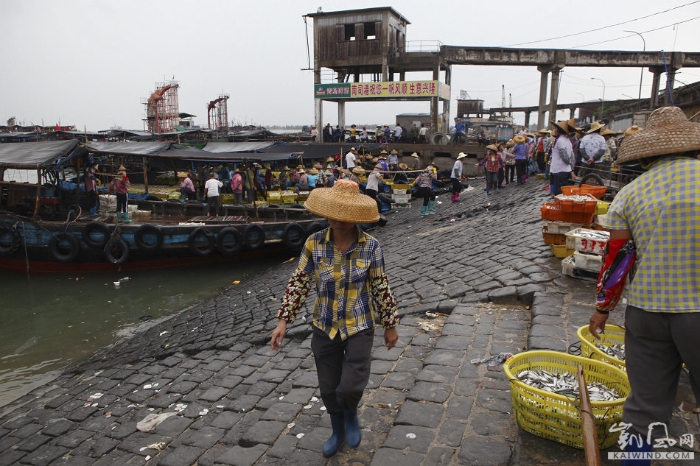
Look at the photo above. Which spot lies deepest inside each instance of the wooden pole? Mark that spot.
(590, 435)
(37, 201)
(145, 174)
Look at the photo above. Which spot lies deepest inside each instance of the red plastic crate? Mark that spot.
(596, 191)
(587, 206)
(550, 211)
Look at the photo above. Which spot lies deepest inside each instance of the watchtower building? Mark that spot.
(366, 49)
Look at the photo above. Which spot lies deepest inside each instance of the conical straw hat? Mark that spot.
(343, 202)
(668, 131)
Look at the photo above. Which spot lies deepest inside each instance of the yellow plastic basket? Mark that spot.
(557, 417)
(614, 335)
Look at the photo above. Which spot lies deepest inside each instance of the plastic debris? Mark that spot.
(290, 425)
(492, 361)
(162, 333)
(323, 408)
(236, 282)
(204, 412)
(157, 446)
(308, 406)
(95, 396)
(411, 435)
(281, 398)
(300, 435)
(180, 407)
(147, 458)
(147, 386)
(314, 399)
(151, 421)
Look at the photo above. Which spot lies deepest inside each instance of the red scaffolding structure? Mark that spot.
(163, 108)
(217, 112)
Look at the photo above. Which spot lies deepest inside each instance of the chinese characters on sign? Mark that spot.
(398, 89)
(635, 442)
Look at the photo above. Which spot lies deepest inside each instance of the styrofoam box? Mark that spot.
(561, 228)
(590, 262)
(567, 266)
(401, 198)
(399, 191)
(578, 239)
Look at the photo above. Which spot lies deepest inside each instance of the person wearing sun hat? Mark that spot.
(120, 185)
(355, 172)
(393, 160)
(656, 214)
(415, 161)
(520, 152)
(345, 265)
(457, 176)
(591, 148)
(562, 159)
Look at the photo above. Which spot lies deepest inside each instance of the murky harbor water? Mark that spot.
(48, 322)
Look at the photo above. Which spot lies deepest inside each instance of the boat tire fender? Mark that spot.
(314, 227)
(152, 234)
(294, 235)
(116, 250)
(201, 249)
(229, 241)
(14, 240)
(254, 236)
(59, 252)
(96, 234)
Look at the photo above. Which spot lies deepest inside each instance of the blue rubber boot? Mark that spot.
(353, 436)
(423, 211)
(126, 217)
(337, 438)
(431, 207)
(119, 217)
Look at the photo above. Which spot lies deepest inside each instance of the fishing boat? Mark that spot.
(45, 226)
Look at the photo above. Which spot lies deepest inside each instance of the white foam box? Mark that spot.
(589, 262)
(401, 198)
(561, 228)
(142, 213)
(399, 191)
(588, 241)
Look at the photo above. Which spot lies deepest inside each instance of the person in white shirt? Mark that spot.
(211, 191)
(423, 133)
(350, 159)
(398, 131)
(591, 148)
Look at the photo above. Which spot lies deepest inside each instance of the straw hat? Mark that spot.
(343, 202)
(285, 169)
(403, 166)
(359, 171)
(301, 170)
(668, 131)
(564, 126)
(510, 143)
(317, 166)
(595, 126)
(313, 171)
(543, 131)
(330, 159)
(383, 151)
(393, 151)
(631, 130)
(519, 139)
(122, 168)
(415, 154)
(607, 132)
(300, 167)
(492, 147)
(267, 166)
(461, 155)
(572, 125)
(375, 159)
(377, 168)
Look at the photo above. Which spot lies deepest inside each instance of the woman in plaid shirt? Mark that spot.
(346, 265)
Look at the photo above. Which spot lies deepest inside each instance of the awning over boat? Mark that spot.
(315, 151)
(34, 155)
(128, 148)
(220, 147)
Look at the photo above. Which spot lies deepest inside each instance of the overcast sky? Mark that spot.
(89, 63)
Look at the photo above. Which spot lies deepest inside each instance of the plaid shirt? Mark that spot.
(662, 210)
(349, 286)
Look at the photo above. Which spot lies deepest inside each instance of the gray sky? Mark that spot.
(89, 63)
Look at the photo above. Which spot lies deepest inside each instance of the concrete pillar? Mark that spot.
(654, 98)
(318, 104)
(341, 114)
(446, 103)
(670, 82)
(554, 94)
(543, 97)
(434, 106)
(527, 120)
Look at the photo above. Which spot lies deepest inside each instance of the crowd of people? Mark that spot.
(382, 134)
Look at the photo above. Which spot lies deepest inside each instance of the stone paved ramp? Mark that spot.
(473, 281)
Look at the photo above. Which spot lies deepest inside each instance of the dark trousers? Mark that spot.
(343, 368)
(520, 170)
(510, 173)
(456, 186)
(122, 202)
(427, 194)
(541, 163)
(656, 345)
(558, 180)
(373, 194)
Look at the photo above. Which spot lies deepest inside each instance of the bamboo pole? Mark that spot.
(590, 435)
(37, 201)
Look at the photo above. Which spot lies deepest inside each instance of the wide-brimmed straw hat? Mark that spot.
(343, 202)
(394, 151)
(492, 147)
(383, 151)
(415, 154)
(631, 130)
(330, 159)
(607, 132)
(510, 143)
(313, 171)
(122, 168)
(285, 169)
(564, 125)
(668, 131)
(318, 166)
(595, 126)
(461, 155)
(359, 171)
(403, 166)
(266, 165)
(301, 170)
(519, 139)
(543, 131)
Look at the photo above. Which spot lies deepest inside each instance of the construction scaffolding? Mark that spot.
(163, 108)
(217, 113)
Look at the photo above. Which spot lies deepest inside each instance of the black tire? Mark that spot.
(201, 242)
(229, 241)
(117, 251)
(313, 228)
(593, 179)
(96, 234)
(64, 247)
(294, 235)
(151, 197)
(254, 236)
(10, 240)
(148, 237)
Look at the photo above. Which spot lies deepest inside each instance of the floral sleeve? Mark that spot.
(295, 295)
(384, 301)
